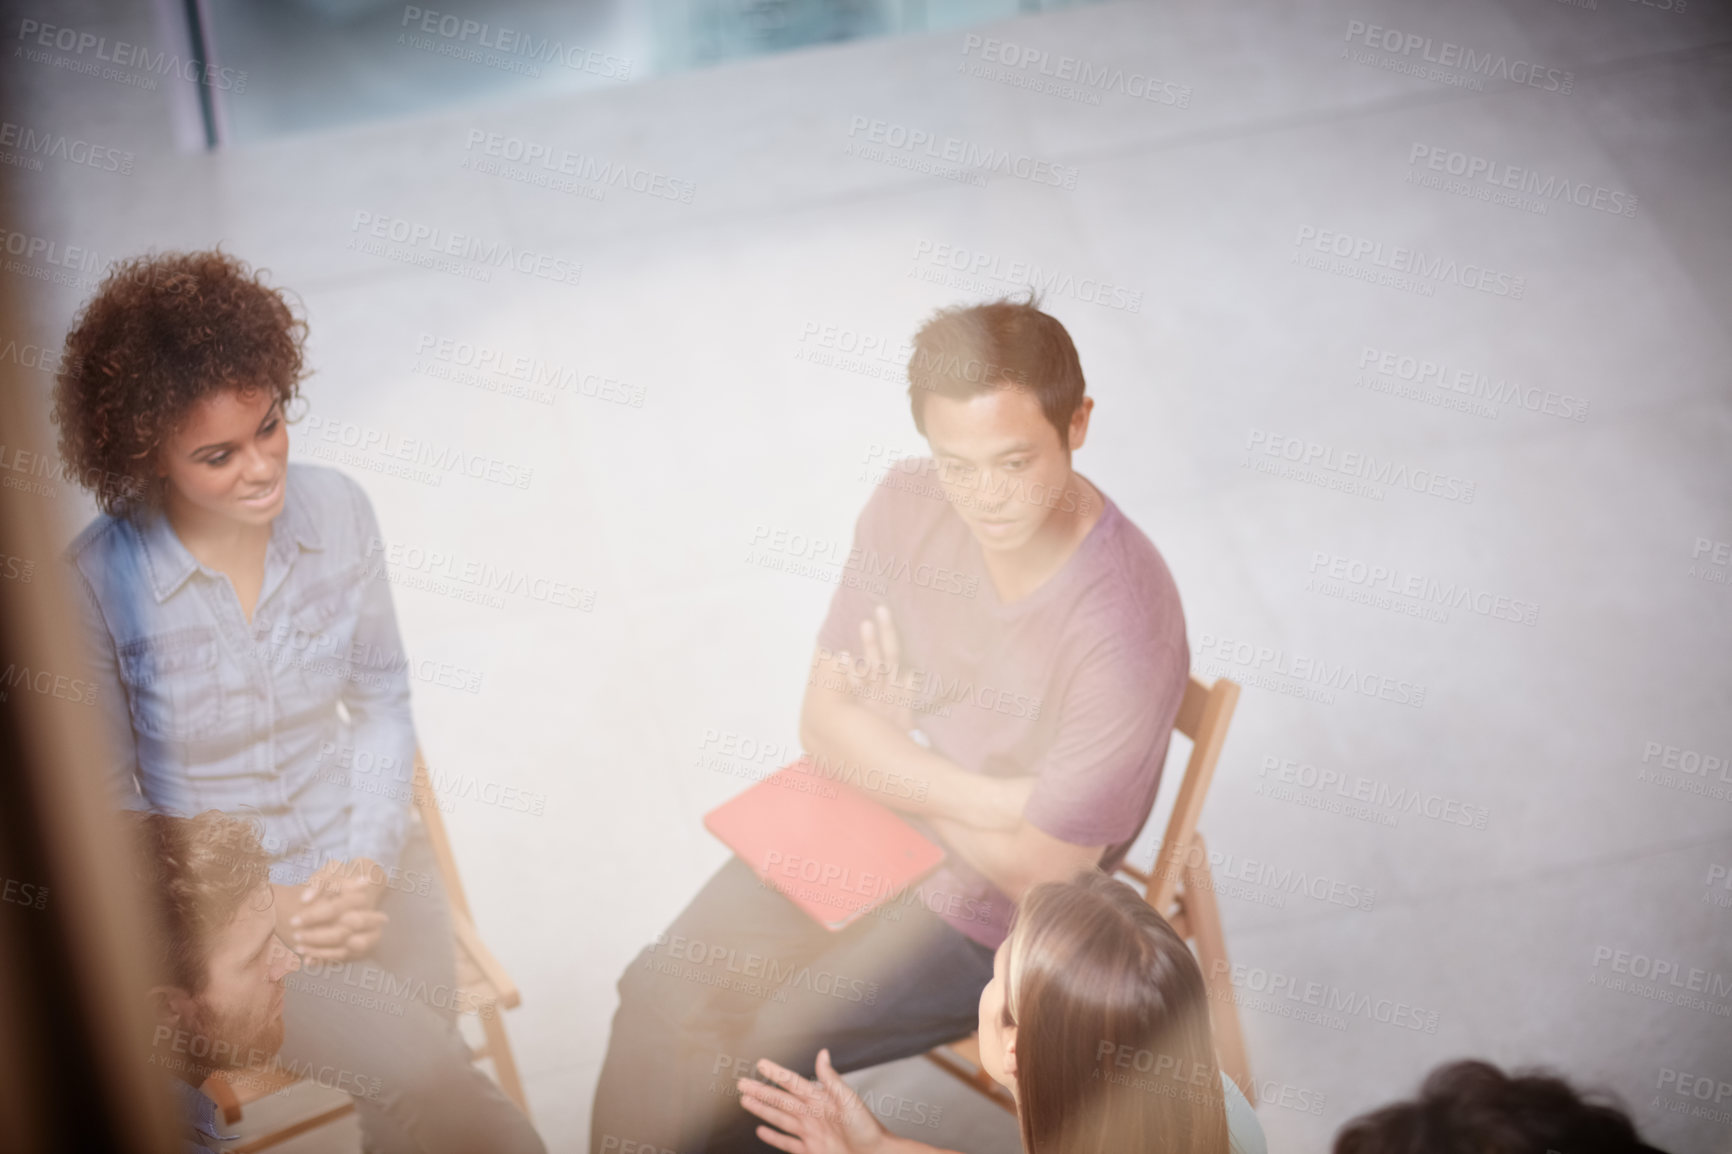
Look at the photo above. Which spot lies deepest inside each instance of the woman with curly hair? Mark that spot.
(1096, 1020)
(239, 622)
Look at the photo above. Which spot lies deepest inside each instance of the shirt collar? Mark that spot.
(170, 563)
(200, 1114)
(295, 525)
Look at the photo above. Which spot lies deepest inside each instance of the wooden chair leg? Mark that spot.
(504, 1064)
(1204, 918)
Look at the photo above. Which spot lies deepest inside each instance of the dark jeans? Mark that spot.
(744, 974)
(384, 1029)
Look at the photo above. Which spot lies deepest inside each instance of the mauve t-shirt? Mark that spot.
(1078, 683)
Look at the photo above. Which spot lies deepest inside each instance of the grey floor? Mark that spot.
(1562, 839)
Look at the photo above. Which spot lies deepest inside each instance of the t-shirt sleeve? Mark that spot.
(1115, 719)
(851, 605)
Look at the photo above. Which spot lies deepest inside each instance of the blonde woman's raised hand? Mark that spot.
(822, 1117)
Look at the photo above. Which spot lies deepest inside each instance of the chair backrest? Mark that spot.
(1204, 715)
(427, 805)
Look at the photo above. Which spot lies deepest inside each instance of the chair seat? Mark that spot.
(473, 985)
(961, 1059)
(482, 979)
(968, 1047)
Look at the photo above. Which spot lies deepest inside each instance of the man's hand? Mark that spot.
(335, 917)
(822, 1117)
(286, 903)
(879, 688)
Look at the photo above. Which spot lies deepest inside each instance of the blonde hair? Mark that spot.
(1114, 1050)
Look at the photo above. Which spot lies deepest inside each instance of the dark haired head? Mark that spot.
(969, 349)
(1472, 1107)
(162, 333)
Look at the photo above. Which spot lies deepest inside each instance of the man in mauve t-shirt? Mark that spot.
(1004, 665)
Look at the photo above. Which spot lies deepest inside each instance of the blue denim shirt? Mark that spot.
(299, 718)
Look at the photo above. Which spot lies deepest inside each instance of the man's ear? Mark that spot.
(1079, 423)
(172, 1006)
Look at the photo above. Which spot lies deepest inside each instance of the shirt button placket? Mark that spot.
(265, 749)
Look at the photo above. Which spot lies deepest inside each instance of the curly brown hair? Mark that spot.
(197, 871)
(163, 332)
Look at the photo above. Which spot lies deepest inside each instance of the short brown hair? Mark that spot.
(196, 872)
(162, 333)
(968, 349)
(1472, 1107)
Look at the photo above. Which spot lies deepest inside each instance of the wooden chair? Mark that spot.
(1179, 885)
(483, 986)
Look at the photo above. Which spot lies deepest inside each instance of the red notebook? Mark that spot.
(825, 846)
